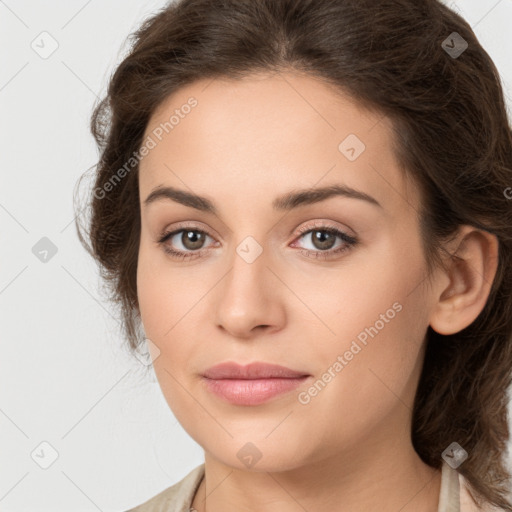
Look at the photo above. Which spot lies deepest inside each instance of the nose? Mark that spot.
(249, 299)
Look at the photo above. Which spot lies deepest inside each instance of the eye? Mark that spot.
(191, 239)
(322, 237)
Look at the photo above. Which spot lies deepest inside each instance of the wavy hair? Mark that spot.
(451, 135)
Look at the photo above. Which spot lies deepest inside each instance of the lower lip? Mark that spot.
(251, 391)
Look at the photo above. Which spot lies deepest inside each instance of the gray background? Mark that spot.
(65, 378)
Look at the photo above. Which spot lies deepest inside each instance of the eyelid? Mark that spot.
(192, 226)
(325, 224)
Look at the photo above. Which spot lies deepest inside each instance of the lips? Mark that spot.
(253, 384)
(257, 370)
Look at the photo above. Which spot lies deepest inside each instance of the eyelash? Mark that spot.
(350, 242)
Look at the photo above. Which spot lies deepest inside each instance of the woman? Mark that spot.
(306, 205)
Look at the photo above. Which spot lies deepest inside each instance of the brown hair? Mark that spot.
(451, 134)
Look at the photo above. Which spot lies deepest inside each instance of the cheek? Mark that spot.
(163, 305)
(170, 305)
(158, 296)
(161, 292)
(375, 366)
(379, 319)
(148, 294)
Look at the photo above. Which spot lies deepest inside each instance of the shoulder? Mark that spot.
(177, 497)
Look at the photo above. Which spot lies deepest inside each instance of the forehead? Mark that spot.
(267, 133)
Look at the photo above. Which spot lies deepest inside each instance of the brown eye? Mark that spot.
(192, 239)
(184, 243)
(323, 239)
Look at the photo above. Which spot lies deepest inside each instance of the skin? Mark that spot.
(245, 143)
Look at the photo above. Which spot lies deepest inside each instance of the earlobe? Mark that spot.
(470, 271)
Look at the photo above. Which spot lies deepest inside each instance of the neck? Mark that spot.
(386, 483)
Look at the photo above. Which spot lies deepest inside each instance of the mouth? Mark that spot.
(252, 384)
(257, 370)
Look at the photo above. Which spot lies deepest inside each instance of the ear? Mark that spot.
(470, 273)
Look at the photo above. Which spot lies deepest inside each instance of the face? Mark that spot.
(332, 286)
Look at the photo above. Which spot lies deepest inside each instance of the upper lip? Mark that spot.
(257, 370)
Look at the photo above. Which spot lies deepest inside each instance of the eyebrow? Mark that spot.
(286, 202)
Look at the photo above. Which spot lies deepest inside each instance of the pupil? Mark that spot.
(192, 239)
(325, 239)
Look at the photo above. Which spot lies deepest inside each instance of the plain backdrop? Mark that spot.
(83, 427)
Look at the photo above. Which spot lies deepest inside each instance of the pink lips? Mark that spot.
(252, 384)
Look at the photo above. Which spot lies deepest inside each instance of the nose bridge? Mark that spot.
(249, 266)
(245, 298)
(250, 242)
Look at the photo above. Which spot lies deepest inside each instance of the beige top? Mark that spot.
(178, 498)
